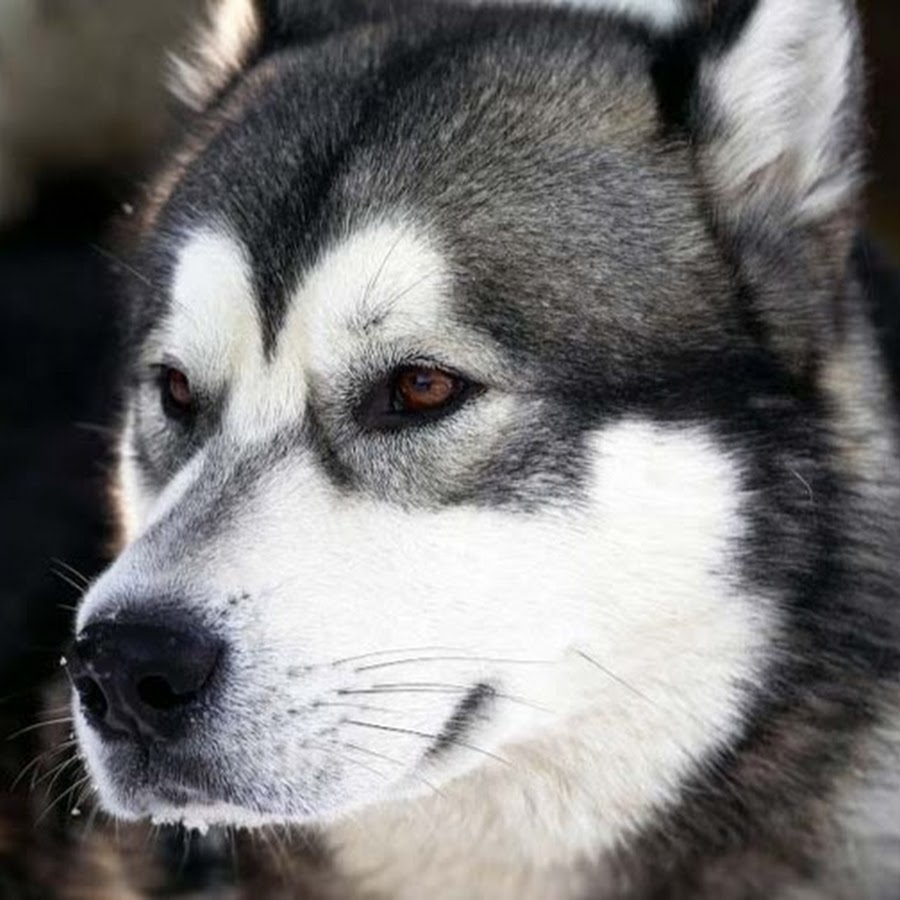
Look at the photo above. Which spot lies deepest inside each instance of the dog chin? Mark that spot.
(201, 817)
(169, 805)
(130, 790)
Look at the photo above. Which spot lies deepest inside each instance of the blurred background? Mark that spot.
(89, 129)
(882, 34)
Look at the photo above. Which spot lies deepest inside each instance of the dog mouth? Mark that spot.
(163, 781)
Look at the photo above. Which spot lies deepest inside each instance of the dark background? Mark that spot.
(882, 28)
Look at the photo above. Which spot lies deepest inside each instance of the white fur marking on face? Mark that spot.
(213, 327)
(661, 642)
(384, 282)
(781, 88)
(378, 285)
(632, 599)
(382, 285)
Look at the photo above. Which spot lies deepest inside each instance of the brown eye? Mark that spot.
(424, 389)
(177, 397)
(414, 395)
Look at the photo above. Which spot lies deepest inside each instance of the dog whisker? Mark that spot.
(420, 684)
(72, 571)
(55, 773)
(118, 261)
(397, 762)
(374, 653)
(96, 428)
(88, 789)
(640, 694)
(612, 675)
(42, 756)
(373, 281)
(90, 823)
(330, 749)
(484, 659)
(78, 588)
(47, 724)
(346, 745)
(361, 706)
(427, 736)
(426, 687)
(56, 710)
(68, 792)
(399, 295)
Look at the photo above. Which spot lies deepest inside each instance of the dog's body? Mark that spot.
(508, 450)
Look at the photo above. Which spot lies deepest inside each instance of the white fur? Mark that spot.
(613, 627)
(220, 51)
(213, 329)
(675, 640)
(780, 90)
(378, 293)
(662, 14)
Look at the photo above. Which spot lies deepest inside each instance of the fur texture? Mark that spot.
(622, 622)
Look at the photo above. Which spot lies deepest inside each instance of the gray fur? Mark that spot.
(571, 188)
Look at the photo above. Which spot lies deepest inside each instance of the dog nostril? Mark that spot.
(139, 679)
(157, 693)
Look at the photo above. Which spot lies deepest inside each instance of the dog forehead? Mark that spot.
(213, 323)
(377, 290)
(385, 282)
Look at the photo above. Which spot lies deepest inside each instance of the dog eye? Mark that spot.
(177, 396)
(414, 395)
(423, 389)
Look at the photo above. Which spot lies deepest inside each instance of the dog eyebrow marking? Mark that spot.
(213, 327)
(386, 279)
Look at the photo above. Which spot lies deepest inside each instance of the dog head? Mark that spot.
(472, 404)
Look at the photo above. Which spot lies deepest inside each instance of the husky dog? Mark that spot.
(508, 472)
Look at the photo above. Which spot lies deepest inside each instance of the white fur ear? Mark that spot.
(782, 106)
(222, 47)
(658, 14)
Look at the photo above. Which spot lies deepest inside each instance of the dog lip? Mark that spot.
(153, 777)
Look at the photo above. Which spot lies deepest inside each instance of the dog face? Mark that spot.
(448, 428)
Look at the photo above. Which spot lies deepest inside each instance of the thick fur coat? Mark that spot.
(615, 616)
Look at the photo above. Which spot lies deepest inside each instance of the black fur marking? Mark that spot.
(474, 705)
(677, 57)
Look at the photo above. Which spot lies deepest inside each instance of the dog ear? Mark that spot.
(228, 35)
(656, 14)
(232, 33)
(774, 114)
(780, 110)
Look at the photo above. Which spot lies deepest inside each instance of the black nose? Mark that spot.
(141, 679)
